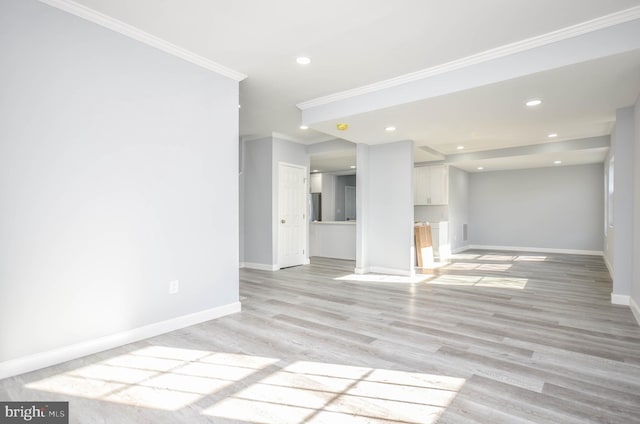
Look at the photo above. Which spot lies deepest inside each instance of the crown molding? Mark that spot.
(142, 36)
(285, 137)
(492, 54)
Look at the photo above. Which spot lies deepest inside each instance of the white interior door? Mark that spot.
(292, 205)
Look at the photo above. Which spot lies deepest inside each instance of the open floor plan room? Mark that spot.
(492, 337)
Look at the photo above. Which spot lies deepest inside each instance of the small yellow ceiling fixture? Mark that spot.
(342, 126)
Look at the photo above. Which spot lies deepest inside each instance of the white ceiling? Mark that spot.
(358, 42)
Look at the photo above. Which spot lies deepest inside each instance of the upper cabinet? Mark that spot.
(315, 185)
(431, 185)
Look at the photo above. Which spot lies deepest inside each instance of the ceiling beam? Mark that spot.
(528, 59)
(534, 149)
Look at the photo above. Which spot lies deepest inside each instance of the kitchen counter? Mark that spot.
(333, 222)
(333, 239)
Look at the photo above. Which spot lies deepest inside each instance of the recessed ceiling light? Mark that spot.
(304, 127)
(557, 162)
(552, 135)
(315, 170)
(480, 168)
(460, 147)
(303, 60)
(534, 102)
(390, 128)
(353, 167)
(342, 126)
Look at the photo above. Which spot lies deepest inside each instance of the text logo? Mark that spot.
(34, 412)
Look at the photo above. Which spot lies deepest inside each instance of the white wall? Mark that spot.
(458, 207)
(384, 235)
(552, 208)
(622, 147)
(609, 230)
(258, 218)
(260, 193)
(635, 283)
(118, 174)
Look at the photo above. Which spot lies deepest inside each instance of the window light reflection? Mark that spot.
(479, 281)
(378, 278)
(157, 377)
(320, 392)
(171, 379)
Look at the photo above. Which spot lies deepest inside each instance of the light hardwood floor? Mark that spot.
(494, 337)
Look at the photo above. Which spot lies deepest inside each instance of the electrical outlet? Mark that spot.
(174, 286)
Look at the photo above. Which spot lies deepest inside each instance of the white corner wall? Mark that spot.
(260, 198)
(623, 199)
(118, 174)
(458, 208)
(256, 194)
(635, 282)
(559, 208)
(384, 233)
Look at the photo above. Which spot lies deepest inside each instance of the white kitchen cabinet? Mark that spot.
(431, 185)
(315, 185)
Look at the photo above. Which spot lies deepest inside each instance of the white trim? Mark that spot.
(56, 356)
(538, 250)
(635, 309)
(392, 271)
(241, 265)
(620, 299)
(460, 249)
(492, 54)
(285, 137)
(360, 271)
(142, 36)
(261, 267)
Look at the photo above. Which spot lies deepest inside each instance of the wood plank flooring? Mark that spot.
(494, 337)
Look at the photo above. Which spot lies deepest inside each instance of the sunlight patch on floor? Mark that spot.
(528, 258)
(467, 266)
(504, 258)
(379, 278)
(465, 256)
(258, 389)
(479, 281)
(313, 392)
(155, 377)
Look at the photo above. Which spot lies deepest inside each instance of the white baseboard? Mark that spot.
(620, 299)
(539, 250)
(261, 267)
(360, 271)
(56, 356)
(635, 309)
(306, 261)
